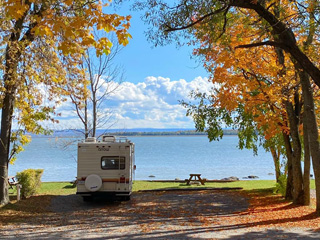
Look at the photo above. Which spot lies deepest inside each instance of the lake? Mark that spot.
(165, 157)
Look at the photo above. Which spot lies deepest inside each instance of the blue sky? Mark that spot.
(141, 59)
(155, 80)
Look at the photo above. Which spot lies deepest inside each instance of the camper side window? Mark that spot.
(112, 163)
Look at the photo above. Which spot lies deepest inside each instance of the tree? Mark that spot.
(39, 40)
(277, 24)
(253, 79)
(103, 77)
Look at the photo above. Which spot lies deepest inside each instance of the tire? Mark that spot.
(126, 198)
(87, 198)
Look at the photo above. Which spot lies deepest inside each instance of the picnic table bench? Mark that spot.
(196, 178)
(12, 181)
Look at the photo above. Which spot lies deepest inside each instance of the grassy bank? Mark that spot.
(65, 188)
(247, 185)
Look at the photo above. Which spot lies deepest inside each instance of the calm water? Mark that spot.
(164, 157)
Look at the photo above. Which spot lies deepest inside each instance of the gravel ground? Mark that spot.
(312, 193)
(149, 215)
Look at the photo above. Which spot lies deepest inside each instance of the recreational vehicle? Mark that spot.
(105, 168)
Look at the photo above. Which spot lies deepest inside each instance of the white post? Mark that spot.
(18, 186)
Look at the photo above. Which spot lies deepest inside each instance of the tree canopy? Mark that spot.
(41, 42)
(261, 55)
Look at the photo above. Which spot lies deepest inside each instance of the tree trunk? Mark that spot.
(86, 130)
(21, 36)
(306, 168)
(94, 112)
(276, 162)
(298, 195)
(312, 129)
(10, 83)
(286, 39)
(6, 122)
(289, 188)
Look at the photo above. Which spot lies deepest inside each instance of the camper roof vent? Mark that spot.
(90, 139)
(108, 138)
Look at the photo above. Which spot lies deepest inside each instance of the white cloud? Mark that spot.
(153, 103)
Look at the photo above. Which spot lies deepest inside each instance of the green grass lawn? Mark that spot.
(57, 188)
(247, 185)
(65, 188)
(61, 188)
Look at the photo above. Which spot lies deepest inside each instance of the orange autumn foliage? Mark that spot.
(252, 77)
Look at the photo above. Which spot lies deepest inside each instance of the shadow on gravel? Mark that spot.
(74, 203)
(277, 234)
(219, 234)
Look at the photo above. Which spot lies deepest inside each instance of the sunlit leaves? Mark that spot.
(250, 77)
(42, 43)
(73, 21)
(17, 7)
(19, 139)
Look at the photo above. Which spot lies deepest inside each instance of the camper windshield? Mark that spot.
(111, 163)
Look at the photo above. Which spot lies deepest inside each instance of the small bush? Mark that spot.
(30, 180)
(281, 185)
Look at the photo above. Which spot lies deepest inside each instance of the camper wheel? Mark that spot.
(87, 198)
(126, 198)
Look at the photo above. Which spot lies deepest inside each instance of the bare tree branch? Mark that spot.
(220, 10)
(102, 76)
(266, 43)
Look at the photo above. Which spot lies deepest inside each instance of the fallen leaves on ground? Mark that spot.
(24, 209)
(168, 210)
(268, 210)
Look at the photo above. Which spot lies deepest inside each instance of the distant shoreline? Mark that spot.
(70, 134)
(174, 133)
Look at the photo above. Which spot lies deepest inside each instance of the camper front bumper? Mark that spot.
(104, 194)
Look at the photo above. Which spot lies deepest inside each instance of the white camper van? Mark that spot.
(105, 168)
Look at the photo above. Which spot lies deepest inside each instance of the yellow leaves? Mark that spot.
(103, 46)
(64, 47)
(88, 40)
(15, 9)
(50, 56)
(107, 4)
(123, 37)
(72, 30)
(19, 139)
(107, 27)
(68, 2)
(25, 139)
(44, 31)
(80, 28)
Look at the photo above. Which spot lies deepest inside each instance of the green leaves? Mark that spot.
(19, 139)
(208, 117)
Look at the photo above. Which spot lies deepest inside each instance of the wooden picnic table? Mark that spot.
(12, 181)
(195, 177)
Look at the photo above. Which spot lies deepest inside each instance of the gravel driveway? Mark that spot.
(149, 215)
